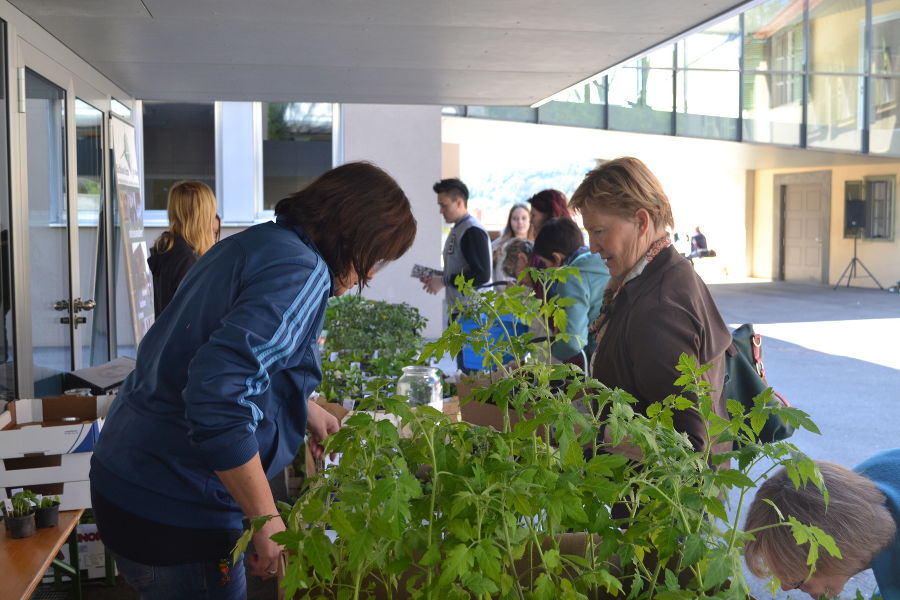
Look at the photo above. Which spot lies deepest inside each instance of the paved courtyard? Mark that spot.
(834, 354)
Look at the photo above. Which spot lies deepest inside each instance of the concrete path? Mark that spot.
(836, 355)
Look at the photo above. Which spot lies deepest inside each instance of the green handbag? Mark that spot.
(745, 378)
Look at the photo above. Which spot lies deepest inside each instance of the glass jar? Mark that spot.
(421, 385)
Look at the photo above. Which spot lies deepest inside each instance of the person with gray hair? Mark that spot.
(518, 256)
(861, 514)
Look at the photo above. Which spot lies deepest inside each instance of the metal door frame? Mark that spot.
(21, 55)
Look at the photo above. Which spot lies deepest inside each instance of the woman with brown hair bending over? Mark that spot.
(193, 224)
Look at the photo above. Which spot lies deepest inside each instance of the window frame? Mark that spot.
(863, 190)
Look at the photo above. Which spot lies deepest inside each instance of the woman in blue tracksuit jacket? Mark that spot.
(218, 398)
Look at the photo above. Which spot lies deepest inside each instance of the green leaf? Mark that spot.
(551, 559)
(735, 408)
(458, 562)
(671, 580)
(693, 549)
(718, 569)
(733, 478)
(479, 584)
(431, 557)
(316, 551)
(716, 508)
(340, 523)
(544, 588)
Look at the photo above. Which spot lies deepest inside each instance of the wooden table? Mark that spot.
(24, 562)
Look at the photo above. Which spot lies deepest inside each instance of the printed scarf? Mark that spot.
(598, 327)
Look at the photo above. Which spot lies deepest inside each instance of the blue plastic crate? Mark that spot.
(473, 361)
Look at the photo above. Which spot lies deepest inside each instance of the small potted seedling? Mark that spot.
(46, 514)
(19, 512)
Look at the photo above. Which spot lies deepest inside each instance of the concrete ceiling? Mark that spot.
(496, 52)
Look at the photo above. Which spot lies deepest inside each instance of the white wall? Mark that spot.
(405, 141)
(704, 180)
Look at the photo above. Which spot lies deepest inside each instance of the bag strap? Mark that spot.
(756, 347)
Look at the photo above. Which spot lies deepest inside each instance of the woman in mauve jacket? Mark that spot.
(655, 307)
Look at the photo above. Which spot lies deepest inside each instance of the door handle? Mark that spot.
(60, 305)
(80, 305)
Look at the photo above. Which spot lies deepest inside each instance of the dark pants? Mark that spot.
(196, 581)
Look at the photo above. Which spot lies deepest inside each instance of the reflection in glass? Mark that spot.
(179, 144)
(48, 232)
(884, 116)
(640, 99)
(659, 59)
(717, 47)
(833, 117)
(7, 352)
(836, 32)
(773, 36)
(296, 147)
(119, 109)
(581, 107)
(92, 238)
(768, 118)
(503, 113)
(707, 104)
(886, 37)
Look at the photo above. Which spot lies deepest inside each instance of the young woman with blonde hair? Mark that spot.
(192, 231)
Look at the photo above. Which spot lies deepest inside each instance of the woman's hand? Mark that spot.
(248, 486)
(319, 425)
(264, 562)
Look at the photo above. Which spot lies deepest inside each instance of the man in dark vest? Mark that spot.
(468, 247)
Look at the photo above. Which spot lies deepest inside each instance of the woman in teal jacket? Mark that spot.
(560, 243)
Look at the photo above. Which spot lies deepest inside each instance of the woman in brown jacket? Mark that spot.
(655, 306)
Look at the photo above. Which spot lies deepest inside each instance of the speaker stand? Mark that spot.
(850, 269)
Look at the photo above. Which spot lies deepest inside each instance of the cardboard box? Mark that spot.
(72, 494)
(91, 554)
(476, 413)
(51, 468)
(58, 425)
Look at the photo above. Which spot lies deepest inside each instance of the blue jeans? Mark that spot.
(195, 581)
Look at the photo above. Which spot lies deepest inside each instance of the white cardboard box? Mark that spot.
(52, 468)
(41, 426)
(72, 494)
(91, 555)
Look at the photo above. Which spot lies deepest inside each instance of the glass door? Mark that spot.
(92, 308)
(48, 230)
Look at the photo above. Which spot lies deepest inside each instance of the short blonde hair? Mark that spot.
(622, 187)
(855, 516)
(191, 208)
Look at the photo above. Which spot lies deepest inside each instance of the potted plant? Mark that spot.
(365, 345)
(19, 515)
(46, 514)
(458, 511)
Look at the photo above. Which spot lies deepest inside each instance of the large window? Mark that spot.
(296, 147)
(179, 144)
(584, 106)
(708, 82)
(641, 94)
